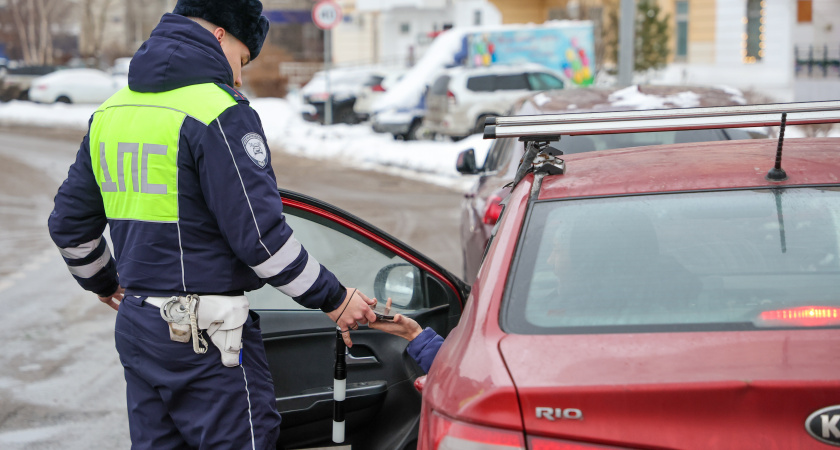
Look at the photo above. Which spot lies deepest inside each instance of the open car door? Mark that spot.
(382, 407)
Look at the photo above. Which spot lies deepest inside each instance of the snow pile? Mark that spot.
(407, 92)
(736, 94)
(58, 115)
(359, 146)
(631, 97)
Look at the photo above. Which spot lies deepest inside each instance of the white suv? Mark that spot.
(461, 98)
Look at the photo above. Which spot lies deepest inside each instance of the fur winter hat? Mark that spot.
(241, 18)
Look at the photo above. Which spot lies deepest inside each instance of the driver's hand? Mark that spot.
(402, 326)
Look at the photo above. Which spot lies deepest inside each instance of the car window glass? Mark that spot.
(739, 134)
(550, 81)
(374, 80)
(483, 83)
(511, 82)
(499, 153)
(544, 82)
(580, 144)
(702, 261)
(440, 86)
(354, 259)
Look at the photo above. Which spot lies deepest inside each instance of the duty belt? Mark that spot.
(222, 317)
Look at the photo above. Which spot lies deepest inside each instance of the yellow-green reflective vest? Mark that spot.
(134, 141)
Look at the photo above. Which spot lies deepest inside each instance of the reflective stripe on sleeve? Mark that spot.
(89, 270)
(80, 251)
(304, 281)
(280, 260)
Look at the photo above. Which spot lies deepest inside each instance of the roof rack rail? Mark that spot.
(611, 122)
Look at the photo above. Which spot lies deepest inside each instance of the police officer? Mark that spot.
(178, 166)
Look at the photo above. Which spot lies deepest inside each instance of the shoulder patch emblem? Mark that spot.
(256, 149)
(233, 93)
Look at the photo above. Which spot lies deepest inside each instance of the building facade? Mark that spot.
(397, 32)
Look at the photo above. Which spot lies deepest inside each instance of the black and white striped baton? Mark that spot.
(339, 387)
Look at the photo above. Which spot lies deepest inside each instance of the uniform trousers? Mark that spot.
(178, 399)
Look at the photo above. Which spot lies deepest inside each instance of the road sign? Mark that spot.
(326, 14)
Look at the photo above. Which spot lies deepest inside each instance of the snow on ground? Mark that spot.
(355, 146)
(359, 146)
(59, 115)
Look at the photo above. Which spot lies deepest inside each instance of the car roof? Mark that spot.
(629, 98)
(695, 166)
(73, 73)
(496, 69)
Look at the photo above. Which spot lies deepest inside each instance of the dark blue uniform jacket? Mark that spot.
(424, 348)
(231, 235)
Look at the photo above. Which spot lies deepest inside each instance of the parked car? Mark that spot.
(481, 207)
(373, 89)
(76, 86)
(345, 85)
(402, 123)
(623, 303)
(462, 97)
(16, 80)
(121, 66)
(656, 297)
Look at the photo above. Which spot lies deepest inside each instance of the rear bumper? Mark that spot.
(393, 128)
(449, 125)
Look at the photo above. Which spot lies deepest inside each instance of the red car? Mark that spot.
(480, 208)
(660, 297)
(664, 297)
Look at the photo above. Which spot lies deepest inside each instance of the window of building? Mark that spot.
(752, 45)
(682, 30)
(405, 28)
(477, 17)
(804, 11)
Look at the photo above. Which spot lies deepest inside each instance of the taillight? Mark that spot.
(41, 87)
(803, 316)
(377, 88)
(451, 97)
(420, 383)
(448, 434)
(493, 211)
(538, 443)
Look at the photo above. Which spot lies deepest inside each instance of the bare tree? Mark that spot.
(35, 21)
(94, 17)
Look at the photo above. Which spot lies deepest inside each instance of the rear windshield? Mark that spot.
(675, 262)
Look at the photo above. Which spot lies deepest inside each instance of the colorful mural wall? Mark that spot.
(566, 47)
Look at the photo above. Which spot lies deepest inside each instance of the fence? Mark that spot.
(815, 61)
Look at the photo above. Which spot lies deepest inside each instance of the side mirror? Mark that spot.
(399, 282)
(466, 162)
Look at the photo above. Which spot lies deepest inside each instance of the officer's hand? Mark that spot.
(354, 311)
(402, 326)
(114, 299)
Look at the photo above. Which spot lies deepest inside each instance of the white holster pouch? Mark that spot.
(222, 317)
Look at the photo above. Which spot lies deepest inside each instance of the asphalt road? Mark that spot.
(61, 383)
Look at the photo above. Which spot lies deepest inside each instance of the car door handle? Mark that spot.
(361, 360)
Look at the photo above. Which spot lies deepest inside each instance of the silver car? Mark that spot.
(461, 98)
